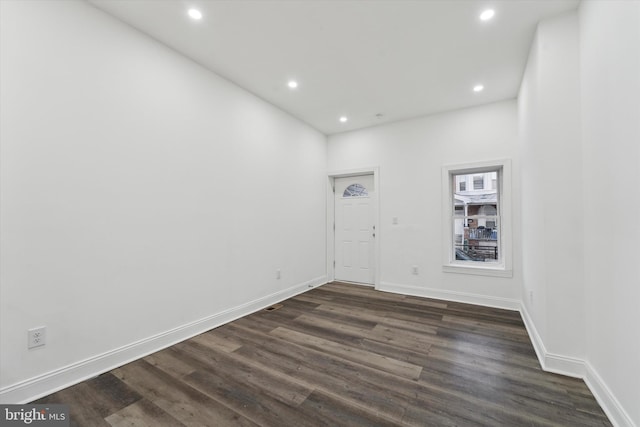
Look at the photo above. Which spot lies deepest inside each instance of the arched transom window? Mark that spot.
(355, 190)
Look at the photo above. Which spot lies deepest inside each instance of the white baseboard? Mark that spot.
(50, 382)
(550, 362)
(578, 368)
(468, 298)
(610, 405)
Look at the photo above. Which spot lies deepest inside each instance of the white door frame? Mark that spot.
(331, 272)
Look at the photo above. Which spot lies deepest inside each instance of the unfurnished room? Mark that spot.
(319, 213)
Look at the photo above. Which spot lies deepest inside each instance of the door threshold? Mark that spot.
(368, 285)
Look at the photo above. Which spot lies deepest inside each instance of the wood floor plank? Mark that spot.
(409, 307)
(405, 354)
(343, 355)
(252, 376)
(177, 399)
(510, 395)
(378, 301)
(460, 346)
(327, 372)
(339, 412)
(291, 390)
(142, 414)
(493, 361)
(216, 341)
(401, 338)
(484, 326)
(344, 318)
(342, 289)
(166, 358)
(337, 327)
(398, 311)
(110, 394)
(367, 358)
(85, 408)
(332, 375)
(298, 305)
(323, 328)
(255, 405)
(504, 334)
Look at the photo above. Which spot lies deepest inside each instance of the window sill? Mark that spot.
(495, 271)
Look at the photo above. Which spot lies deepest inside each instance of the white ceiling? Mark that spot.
(401, 59)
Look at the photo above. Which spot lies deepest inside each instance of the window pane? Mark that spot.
(487, 209)
(476, 219)
(355, 190)
(474, 242)
(478, 182)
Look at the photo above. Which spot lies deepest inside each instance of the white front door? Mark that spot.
(354, 229)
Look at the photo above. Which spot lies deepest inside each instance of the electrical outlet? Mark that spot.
(37, 337)
(278, 274)
(414, 269)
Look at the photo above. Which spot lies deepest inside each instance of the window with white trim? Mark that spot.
(478, 182)
(477, 240)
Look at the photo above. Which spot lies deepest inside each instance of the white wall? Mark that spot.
(610, 89)
(140, 193)
(552, 225)
(579, 118)
(410, 155)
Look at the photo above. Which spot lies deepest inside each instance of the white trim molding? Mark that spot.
(577, 368)
(447, 295)
(477, 270)
(330, 249)
(503, 268)
(550, 362)
(50, 382)
(610, 405)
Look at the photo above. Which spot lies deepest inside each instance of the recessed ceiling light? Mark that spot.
(478, 88)
(343, 119)
(487, 14)
(292, 84)
(195, 14)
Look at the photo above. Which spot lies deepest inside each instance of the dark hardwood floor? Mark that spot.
(342, 355)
